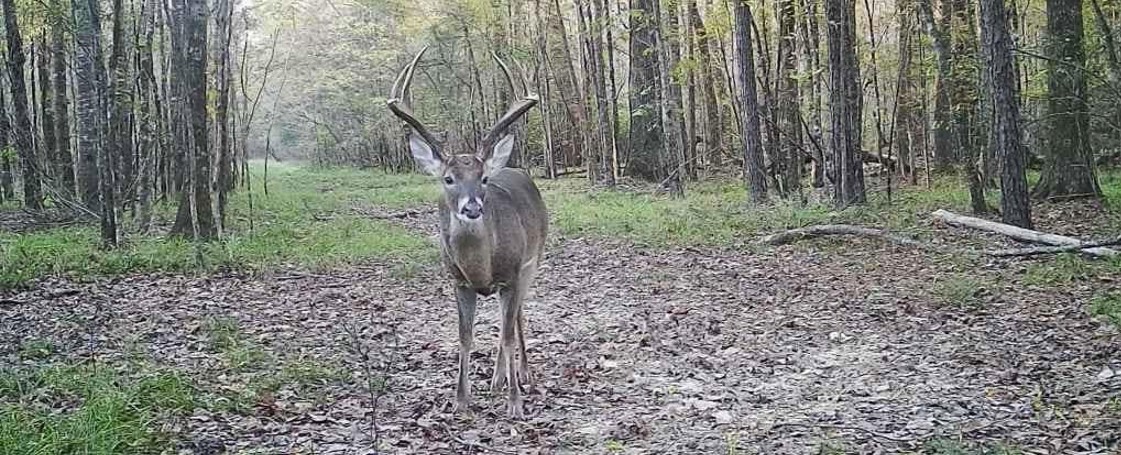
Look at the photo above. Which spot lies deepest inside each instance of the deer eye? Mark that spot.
(448, 180)
(485, 180)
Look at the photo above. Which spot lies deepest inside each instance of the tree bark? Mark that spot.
(120, 112)
(1068, 169)
(788, 159)
(195, 216)
(943, 115)
(1015, 232)
(7, 186)
(754, 174)
(710, 122)
(97, 165)
(646, 133)
(1005, 131)
(46, 102)
(671, 160)
(29, 168)
(63, 161)
(845, 102)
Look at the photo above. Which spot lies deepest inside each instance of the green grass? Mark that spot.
(961, 292)
(238, 352)
(89, 409)
(308, 220)
(1108, 307)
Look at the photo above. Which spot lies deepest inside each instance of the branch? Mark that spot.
(820, 230)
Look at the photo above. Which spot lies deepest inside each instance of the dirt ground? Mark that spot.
(822, 347)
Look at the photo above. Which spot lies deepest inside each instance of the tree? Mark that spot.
(788, 159)
(753, 173)
(96, 163)
(29, 168)
(1068, 169)
(63, 161)
(647, 133)
(1006, 136)
(939, 34)
(194, 217)
(845, 100)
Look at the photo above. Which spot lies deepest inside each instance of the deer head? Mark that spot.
(464, 177)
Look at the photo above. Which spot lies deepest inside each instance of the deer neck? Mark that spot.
(470, 245)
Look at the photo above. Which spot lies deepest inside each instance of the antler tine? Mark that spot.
(517, 109)
(397, 102)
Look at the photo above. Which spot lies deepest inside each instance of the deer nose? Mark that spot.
(472, 209)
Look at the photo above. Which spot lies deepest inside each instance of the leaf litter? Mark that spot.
(681, 351)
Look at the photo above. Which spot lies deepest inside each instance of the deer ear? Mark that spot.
(425, 155)
(501, 154)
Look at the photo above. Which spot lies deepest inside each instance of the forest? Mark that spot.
(773, 226)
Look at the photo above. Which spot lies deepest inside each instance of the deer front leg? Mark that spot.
(466, 301)
(511, 299)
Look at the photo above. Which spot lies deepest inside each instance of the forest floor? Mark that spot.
(637, 346)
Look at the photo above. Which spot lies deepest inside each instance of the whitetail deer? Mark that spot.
(492, 231)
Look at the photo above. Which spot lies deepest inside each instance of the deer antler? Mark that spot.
(398, 105)
(517, 109)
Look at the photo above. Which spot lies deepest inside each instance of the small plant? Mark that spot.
(613, 446)
(36, 349)
(959, 291)
(1064, 269)
(226, 338)
(1108, 307)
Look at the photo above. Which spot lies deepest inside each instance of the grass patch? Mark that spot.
(1108, 307)
(238, 352)
(308, 220)
(1065, 268)
(306, 378)
(961, 292)
(958, 447)
(36, 349)
(91, 409)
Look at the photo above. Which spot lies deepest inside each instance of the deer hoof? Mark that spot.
(514, 410)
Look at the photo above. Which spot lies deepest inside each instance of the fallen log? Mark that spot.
(1041, 250)
(1026, 235)
(820, 230)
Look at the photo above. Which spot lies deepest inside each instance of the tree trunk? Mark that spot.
(195, 216)
(221, 113)
(646, 134)
(845, 99)
(1068, 169)
(46, 102)
(711, 125)
(97, 171)
(32, 190)
(120, 112)
(788, 156)
(63, 161)
(943, 115)
(1109, 47)
(672, 118)
(7, 186)
(148, 117)
(904, 128)
(1006, 137)
(753, 169)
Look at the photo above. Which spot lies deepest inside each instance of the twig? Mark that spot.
(794, 235)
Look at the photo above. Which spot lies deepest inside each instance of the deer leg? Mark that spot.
(529, 272)
(511, 298)
(466, 300)
(498, 379)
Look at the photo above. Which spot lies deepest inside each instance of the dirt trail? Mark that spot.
(634, 351)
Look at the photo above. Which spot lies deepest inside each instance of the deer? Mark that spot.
(493, 223)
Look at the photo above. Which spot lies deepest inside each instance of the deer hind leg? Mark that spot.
(498, 379)
(466, 300)
(529, 272)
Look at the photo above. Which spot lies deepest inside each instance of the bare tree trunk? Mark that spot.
(1109, 47)
(646, 134)
(672, 118)
(7, 186)
(845, 102)
(222, 109)
(46, 102)
(712, 126)
(1006, 137)
(753, 169)
(943, 118)
(1068, 169)
(788, 156)
(120, 137)
(32, 190)
(148, 117)
(63, 161)
(195, 215)
(91, 88)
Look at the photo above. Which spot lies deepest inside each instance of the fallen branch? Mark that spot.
(820, 230)
(1040, 250)
(1018, 233)
(405, 214)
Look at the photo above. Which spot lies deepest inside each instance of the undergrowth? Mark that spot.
(310, 218)
(89, 409)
